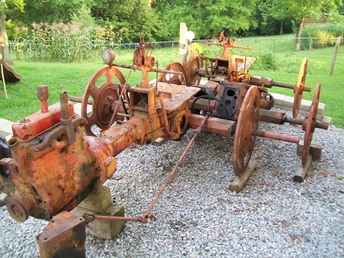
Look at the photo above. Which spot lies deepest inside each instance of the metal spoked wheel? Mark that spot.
(247, 125)
(102, 94)
(309, 124)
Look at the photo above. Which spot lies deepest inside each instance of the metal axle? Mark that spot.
(136, 68)
(278, 136)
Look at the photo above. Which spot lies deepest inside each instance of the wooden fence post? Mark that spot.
(335, 52)
(183, 42)
(299, 34)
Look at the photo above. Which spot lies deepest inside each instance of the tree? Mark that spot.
(128, 18)
(8, 7)
(50, 10)
(275, 16)
(206, 17)
(266, 23)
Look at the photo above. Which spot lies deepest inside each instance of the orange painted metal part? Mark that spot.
(55, 178)
(213, 125)
(278, 136)
(38, 122)
(64, 236)
(55, 169)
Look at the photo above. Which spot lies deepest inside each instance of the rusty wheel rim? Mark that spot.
(101, 97)
(178, 79)
(104, 106)
(246, 127)
(309, 124)
(299, 88)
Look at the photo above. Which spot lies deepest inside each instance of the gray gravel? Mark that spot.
(199, 217)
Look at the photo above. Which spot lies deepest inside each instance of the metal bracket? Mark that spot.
(63, 237)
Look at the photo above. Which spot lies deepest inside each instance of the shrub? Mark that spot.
(72, 42)
(15, 29)
(320, 36)
(265, 62)
(197, 49)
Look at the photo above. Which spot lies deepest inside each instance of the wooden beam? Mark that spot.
(334, 57)
(286, 102)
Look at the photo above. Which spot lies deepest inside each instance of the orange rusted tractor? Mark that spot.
(58, 158)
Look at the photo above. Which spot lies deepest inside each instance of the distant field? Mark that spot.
(73, 77)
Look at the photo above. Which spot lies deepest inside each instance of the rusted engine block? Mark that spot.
(53, 165)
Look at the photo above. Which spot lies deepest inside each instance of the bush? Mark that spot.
(15, 29)
(265, 62)
(72, 42)
(321, 36)
(64, 42)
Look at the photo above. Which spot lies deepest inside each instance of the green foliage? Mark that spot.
(206, 17)
(11, 5)
(321, 36)
(15, 29)
(11, 8)
(160, 19)
(265, 62)
(128, 19)
(269, 24)
(50, 10)
(275, 16)
(64, 42)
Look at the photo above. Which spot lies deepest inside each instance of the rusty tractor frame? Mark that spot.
(58, 158)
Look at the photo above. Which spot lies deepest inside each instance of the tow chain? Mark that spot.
(148, 213)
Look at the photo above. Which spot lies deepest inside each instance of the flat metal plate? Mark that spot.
(174, 96)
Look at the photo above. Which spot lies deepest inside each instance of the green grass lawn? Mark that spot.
(73, 77)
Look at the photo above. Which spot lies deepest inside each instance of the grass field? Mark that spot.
(73, 77)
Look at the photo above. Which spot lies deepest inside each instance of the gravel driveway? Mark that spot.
(199, 217)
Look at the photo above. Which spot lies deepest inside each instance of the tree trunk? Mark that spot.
(299, 34)
(282, 28)
(3, 39)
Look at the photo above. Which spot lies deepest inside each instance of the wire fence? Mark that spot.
(271, 52)
(67, 50)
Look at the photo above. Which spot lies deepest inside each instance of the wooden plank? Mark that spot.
(286, 102)
(183, 42)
